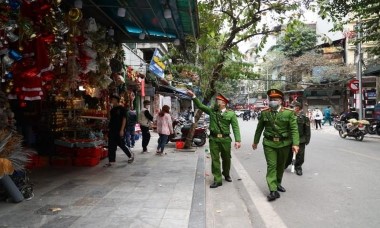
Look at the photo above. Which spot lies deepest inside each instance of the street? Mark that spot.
(339, 187)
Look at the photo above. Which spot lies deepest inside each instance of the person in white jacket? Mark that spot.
(318, 117)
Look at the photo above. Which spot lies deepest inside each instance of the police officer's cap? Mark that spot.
(296, 104)
(275, 93)
(222, 98)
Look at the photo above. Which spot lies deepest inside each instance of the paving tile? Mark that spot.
(60, 222)
(179, 204)
(100, 212)
(76, 210)
(87, 201)
(126, 211)
(173, 223)
(180, 214)
(50, 209)
(110, 202)
(151, 213)
(154, 202)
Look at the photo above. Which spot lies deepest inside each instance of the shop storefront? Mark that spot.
(60, 62)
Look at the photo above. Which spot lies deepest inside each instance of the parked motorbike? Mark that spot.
(355, 129)
(181, 130)
(373, 127)
(246, 117)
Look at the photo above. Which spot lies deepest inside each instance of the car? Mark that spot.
(239, 113)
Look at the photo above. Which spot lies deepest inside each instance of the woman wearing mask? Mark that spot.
(164, 128)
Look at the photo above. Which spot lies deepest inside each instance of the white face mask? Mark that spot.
(274, 104)
(147, 107)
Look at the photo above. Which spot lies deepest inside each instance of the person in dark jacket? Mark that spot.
(118, 120)
(304, 134)
(130, 128)
(145, 120)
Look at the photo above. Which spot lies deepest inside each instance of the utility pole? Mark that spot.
(359, 69)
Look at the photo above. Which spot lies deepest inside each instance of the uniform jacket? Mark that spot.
(303, 128)
(282, 125)
(226, 119)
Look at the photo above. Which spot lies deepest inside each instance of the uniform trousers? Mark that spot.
(276, 159)
(114, 141)
(220, 148)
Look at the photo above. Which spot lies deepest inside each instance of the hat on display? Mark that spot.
(275, 93)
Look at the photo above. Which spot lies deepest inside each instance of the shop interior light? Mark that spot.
(81, 88)
(177, 42)
(111, 32)
(121, 12)
(142, 36)
(167, 13)
(78, 4)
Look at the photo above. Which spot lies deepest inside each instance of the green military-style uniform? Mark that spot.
(281, 132)
(304, 131)
(220, 140)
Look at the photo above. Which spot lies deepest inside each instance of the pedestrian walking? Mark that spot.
(317, 116)
(130, 128)
(145, 120)
(164, 128)
(116, 127)
(280, 135)
(303, 123)
(326, 115)
(221, 120)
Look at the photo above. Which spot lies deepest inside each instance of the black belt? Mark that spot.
(219, 135)
(275, 139)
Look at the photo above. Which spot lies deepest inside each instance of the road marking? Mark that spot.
(363, 155)
(265, 209)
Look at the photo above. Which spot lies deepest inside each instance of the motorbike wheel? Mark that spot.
(341, 134)
(360, 136)
(203, 139)
(337, 126)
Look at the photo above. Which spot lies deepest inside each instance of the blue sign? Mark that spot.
(156, 66)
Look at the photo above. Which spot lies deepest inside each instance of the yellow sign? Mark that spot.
(159, 62)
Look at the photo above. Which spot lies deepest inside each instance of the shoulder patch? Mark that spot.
(286, 108)
(265, 109)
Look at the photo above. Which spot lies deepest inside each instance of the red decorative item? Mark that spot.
(48, 39)
(47, 76)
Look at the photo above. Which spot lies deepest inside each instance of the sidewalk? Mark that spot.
(154, 191)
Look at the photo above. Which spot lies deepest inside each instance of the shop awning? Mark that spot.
(372, 71)
(159, 21)
(172, 90)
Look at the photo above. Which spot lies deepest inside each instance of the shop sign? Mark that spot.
(156, 66)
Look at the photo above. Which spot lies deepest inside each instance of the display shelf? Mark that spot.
(94, 117)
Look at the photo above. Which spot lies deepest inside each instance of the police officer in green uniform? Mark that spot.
(280, 135)
(304, 134)
(220, 140)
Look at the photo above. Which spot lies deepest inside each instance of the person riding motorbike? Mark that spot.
(247, 114)
(352, 114)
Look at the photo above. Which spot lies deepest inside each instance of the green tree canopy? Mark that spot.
(297, 39)
(367, 12)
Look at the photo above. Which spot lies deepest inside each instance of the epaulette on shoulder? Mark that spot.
(265, 109)
(286, 108)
